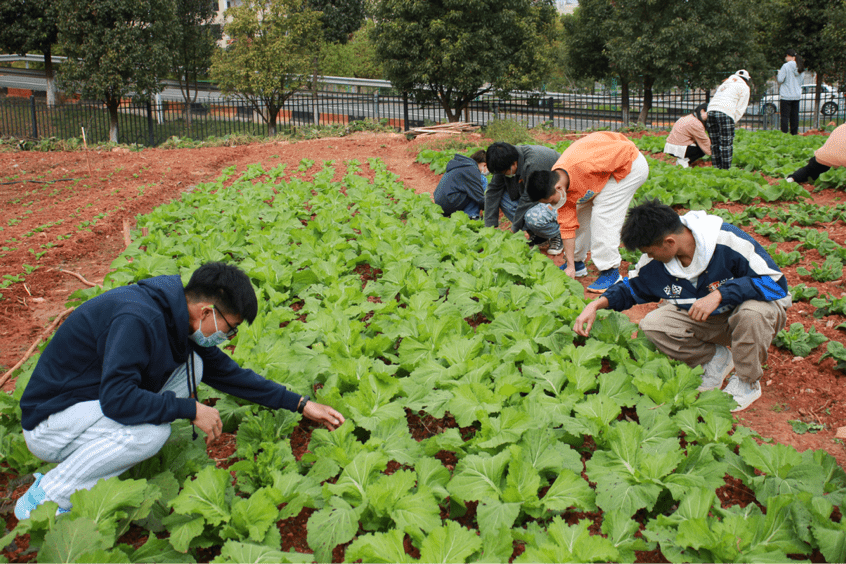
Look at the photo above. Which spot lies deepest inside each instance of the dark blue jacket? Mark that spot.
(740, 267)
(121, 347)
(461, 184)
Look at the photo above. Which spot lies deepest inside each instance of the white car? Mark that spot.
(830, 101)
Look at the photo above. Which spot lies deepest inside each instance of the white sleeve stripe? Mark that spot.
(745, 248)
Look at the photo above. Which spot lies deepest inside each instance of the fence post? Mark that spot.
(152, 137)
(34, 121)
(376, 105)
(405, 110)
(551, 103)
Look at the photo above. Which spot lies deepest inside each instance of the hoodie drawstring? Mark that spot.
(192, 387)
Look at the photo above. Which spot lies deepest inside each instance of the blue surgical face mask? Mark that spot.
(213, 340)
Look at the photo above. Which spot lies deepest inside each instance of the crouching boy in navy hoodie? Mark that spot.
(720, 287)
(462, 187)
(126, 364)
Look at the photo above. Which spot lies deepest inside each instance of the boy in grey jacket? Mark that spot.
(511, 167)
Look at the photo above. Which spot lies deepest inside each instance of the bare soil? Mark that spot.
(93, 197)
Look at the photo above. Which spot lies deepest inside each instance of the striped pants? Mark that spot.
(88, 446)
(721, 131)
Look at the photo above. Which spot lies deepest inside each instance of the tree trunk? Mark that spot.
(446, 104)
(648, 81)
(48, 75)
(113, 104)
(185, 89)
(818, 93)
(624, 102)
(273, 112)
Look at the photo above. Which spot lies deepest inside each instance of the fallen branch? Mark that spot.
(31, 350)
(81, 279)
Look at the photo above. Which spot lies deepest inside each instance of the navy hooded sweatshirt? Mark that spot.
(461, 183)
(121, 347)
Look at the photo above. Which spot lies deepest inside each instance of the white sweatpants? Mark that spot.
(601, 219)
(88, 446)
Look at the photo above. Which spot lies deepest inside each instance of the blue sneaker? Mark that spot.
(607, 278)
(33, 497)
(581, 269)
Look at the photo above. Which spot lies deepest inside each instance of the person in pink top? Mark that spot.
(831, 154)
(596, 179)
(688, 140)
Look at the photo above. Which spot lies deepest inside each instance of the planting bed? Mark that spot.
(67, 216)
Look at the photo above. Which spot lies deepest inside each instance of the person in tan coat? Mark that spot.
(688, 140)
(831, 154)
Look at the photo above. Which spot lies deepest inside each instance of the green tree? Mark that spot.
(584, 40)
(114, 48)
(453, 51)
(27, 26)
(339, 18)
(269, 54)
(193, 40)
(834, 37)
(356, 58)
(669, 43)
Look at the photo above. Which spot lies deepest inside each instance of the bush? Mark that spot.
(509, 131)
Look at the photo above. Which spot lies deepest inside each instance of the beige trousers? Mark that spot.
(601, 219)
(748, 330)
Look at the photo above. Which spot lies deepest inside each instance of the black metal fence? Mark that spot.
(151, 124)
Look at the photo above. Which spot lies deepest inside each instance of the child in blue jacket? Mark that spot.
(720, 289)
(462, 187)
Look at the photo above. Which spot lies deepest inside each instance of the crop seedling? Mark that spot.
(837, 351)
(829, 305)
(829, 271)
(798, 341)
(801, 292)
(801, 427)
(782, 258)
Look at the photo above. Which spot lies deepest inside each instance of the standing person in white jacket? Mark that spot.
(726, 107)
(790, 90)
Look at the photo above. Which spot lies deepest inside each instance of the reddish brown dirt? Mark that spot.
(122, 184)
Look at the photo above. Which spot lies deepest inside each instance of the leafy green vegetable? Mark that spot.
(798, 341)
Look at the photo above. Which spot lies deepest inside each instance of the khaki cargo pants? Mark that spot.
(748, 330)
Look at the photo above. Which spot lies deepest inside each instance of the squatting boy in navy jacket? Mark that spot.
(720, 288)
(126, 364)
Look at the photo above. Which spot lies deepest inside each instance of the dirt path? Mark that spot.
(67, 211)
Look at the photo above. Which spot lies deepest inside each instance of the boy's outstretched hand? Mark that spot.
(323, 414)
(585, 320)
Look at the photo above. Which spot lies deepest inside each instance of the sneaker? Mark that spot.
(683, 162)
(607, 278)
(538, 241)
(33, 497)
(716, 369)
(556, 246)
(581, 269)
(744, 394)
(790, 179)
